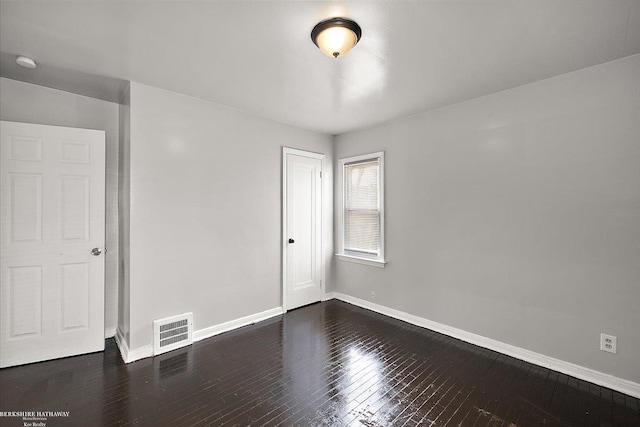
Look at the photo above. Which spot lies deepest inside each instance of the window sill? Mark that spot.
(365, 261)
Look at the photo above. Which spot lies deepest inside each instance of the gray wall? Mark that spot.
(516, 216)
(124, 187)
(205, 212)
(24, 102)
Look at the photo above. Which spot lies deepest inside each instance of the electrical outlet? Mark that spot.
(373, 294)
(608, 343)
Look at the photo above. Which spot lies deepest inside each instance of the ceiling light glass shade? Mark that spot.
(336, 36)
(26, 62)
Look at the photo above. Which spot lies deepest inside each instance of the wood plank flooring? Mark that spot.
(327, 364)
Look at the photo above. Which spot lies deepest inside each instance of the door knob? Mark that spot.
(95, 251)
(291, 241)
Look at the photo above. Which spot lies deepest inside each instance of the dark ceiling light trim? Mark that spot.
(336, 23)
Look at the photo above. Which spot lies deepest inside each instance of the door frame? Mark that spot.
(322, 158)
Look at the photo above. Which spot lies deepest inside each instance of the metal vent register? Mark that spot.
(172, 332)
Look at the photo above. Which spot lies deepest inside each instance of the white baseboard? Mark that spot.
(328, 296)
(237, 323)
(122, 345)
(110, 332)
(624, 386)
(129, 355)
(140, 353)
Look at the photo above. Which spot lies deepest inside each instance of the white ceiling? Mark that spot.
(258, 56)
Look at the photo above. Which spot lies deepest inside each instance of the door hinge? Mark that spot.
(321, 174)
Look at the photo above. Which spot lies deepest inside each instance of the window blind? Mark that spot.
(362, 208)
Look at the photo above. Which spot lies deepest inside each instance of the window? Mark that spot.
(362, 218)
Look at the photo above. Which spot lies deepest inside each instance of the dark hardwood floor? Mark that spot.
(327, 364)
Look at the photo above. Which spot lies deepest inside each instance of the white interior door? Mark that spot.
(302, 228)
(52, 188)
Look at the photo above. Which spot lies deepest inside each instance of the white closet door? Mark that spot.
(303, 244)
(52, 184)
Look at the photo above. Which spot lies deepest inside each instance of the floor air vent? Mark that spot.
(172, 332)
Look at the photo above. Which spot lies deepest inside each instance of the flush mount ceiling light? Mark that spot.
(336, 36)
(26, 62)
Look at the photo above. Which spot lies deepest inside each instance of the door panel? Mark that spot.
(75, 207)
(25, 298)
(303, 225)
(52, 215)
(26, 207)
(75, 286)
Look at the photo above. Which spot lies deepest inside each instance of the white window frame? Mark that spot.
(380, 260)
